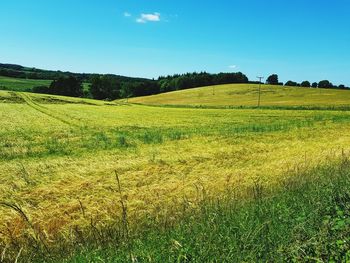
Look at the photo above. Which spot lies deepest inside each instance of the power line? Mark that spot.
(260, 79)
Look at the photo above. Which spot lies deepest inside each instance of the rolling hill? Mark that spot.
(247, 95)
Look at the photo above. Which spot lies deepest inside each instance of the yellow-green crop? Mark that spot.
(247, 95)
(58, 157)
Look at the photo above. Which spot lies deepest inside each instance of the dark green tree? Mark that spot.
(306, 84)
(66, 86)
(272, 80)
(325, 84)
(104, 87)
(126, 90)
(291, 83)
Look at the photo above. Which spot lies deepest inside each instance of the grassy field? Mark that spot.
(247, 95)
(75, 170)
(15, 84)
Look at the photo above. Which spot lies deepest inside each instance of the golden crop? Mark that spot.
(247, 95)
(58, 156)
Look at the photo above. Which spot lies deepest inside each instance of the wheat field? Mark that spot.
(59, 157)
(247, 95)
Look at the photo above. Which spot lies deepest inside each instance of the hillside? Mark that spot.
(247, 95)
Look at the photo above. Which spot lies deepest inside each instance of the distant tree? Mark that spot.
(95, 88)
(314, 85)
(104, 87)
(144, 88)
(306, 84)
(291, 83)
(126, 90)
(229, 78)
(341, 86)
(193, 80)
(325, 84)
(272, 80)
(166, 85)
(67, 86)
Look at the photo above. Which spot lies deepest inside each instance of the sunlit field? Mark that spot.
(71, 165)
(247, 95)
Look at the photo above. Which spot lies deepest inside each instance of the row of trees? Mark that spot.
(18, 71)
(110, 87)
(101, 87)
(323, 84)
(66, 86)
(32, 73)
(194, 80)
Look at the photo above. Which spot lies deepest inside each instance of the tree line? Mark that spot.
(65, 86)
(18, 71)
(323, 84)
(110, 87)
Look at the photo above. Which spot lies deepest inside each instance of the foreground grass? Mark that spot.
(304, 219)
(247, 95)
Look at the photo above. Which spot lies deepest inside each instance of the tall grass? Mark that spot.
(305, 218)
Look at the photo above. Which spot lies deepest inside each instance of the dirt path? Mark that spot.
(46, 111)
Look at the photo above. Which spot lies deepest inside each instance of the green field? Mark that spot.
(247, 95)
(88, 180)
(15, 84)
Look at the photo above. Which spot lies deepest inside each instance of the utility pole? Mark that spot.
(260, 79)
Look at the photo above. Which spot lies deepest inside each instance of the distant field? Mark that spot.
(247, 95)
(16, 97)
(16, 84)
(21, 84)
(59, 158)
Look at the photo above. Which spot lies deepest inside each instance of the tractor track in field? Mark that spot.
(46, 111)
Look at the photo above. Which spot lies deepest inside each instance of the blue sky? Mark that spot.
(299, 39)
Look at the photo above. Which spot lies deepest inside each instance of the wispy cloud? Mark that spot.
(144, 18)
(127, 14)
(232, 66)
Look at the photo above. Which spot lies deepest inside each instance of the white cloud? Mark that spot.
(144, 18)
(232, 66)
(140, 20)
(127, 14)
